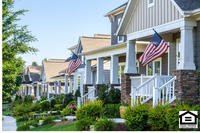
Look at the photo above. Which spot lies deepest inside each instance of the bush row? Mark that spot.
(160, 118)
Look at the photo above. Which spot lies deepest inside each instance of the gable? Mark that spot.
(143, 17)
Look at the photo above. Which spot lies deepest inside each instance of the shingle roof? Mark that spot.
(98, 41)
(112, 11)
(52, 67)
(34, 72)
(188, 5)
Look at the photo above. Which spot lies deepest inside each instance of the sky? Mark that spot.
(57, 24)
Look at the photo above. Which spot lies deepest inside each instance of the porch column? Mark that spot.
(130, 67)
(70, 85)
(75, 82)
(37, 91)
(187, 49)
(114, 69)
(88, 70)
(59, 87)
(100, 71)
(55, 87)
(81, 83)
(66, 84)
(48, 91)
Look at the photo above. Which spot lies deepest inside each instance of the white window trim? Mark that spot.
(159, 59)
(151, 4)
(120, 41)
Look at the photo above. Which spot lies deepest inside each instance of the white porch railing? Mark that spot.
(158, 88)
(90, 96)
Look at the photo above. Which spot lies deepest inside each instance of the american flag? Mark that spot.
(74, 63)
(155, 49)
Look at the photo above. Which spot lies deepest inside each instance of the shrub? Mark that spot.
(43, 98)
(28, 99)
(172, 115)
(70, 109)
(67, 99)
(48, 120)
(77, 94)
(23, 127)
(52, 102)
(58, 106)
(103, 92)
(112, 110)
(45, 105)
(89, 113)
(136, 118)
(84, 124)
(22, 118)
(21, 109)
(59, 98)
(18, 100)
(114, 96)
(122, 110)
(104, 124)
(157, 118)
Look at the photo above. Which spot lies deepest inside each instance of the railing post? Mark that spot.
(155, 91)
(79, 102)
(141, 79)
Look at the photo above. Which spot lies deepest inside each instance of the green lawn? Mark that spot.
(66, 127)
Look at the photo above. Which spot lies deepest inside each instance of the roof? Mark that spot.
(185, 7)
(116, 10)
(92, 43)
(31, 74)
(72, 47)
(188, 5)
(52, 68)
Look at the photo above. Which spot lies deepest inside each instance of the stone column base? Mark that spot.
(186, 86)
(126, 88)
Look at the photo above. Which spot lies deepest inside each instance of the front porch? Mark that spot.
(134, 89)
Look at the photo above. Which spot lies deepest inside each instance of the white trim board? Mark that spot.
(161, 28)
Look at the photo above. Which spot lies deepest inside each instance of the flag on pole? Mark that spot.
(155, 49)
(74, 63)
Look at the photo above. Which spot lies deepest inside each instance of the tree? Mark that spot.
(34, 63)
(16, 40)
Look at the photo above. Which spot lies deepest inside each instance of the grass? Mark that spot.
(65, 127)
(7, 110)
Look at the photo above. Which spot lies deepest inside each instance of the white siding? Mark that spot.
(143, 17)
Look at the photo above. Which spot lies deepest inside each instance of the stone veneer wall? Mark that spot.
(197, 45)
(126, 88)
(186, 86)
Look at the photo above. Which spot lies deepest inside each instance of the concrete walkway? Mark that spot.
(9, 123)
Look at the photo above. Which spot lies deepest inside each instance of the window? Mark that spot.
(120, 39)
(150, 3)
(154, 67)
(119, 20)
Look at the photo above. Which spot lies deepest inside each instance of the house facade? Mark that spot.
(31, 81)
(86, 43)
(172, 76)
(52, 76)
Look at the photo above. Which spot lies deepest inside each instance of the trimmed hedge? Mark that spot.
(104, 124)
(88, 114)
(112, 110)
(160, 118)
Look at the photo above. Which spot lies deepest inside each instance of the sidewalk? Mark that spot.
(9, 123)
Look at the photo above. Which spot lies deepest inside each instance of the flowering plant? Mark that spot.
(72, 108)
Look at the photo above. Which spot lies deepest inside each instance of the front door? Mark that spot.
(177, 53)
(154, 67)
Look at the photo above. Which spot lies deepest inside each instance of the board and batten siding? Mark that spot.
(144, 17)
